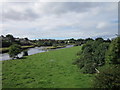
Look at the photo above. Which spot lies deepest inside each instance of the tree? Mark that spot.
(10, 37)
(26, 39)
(108, 40)
(108, 77)
(5, 43)
(72, 39)
(113, 53)
(92, 55)
(86, 62)
(14, 50)
(99, 53)
(99, 39)
(89, 39)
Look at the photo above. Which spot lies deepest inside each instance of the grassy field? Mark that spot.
(51, 69)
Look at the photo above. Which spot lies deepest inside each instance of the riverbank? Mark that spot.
(34, 50)
(52, 69)
(53, 47)
(5, 50)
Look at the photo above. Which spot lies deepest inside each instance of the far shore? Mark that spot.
(6, 49)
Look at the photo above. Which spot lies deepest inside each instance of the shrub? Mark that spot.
(92, 55)
(25, 53)
(108, 78)
(14, 50)
(113, 53)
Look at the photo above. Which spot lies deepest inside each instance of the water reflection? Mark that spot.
(35, 50)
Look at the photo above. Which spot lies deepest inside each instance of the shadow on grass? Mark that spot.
(22, 58)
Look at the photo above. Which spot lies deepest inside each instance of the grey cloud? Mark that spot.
(48, 8)
(48, 21)
(28, 14)
(64, 7)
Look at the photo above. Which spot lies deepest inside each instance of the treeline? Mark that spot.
(9, 39)
(101, 57)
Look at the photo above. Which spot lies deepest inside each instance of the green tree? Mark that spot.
(113, 53)
(14, 50)
(99, 39)
(85, 61)
(99, 53)
(6, 43)
(108, 77)
(89, 39)
(92, 55)
(10, 37)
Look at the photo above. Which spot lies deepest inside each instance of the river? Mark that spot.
(31, 51)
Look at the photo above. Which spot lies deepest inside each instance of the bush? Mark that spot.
(113, 53)
(92, 55)
(89, 68)
(108, 78)
(25, 53)
(14, 50)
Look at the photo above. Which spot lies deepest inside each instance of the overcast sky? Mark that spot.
(60, 20)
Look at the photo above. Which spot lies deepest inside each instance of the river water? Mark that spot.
(31, 51)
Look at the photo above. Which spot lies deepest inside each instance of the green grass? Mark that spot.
(27, 46)
(51, 69)
(53, 47)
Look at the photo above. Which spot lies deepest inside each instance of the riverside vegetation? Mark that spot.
(95, 64)
(102, 58)
(25, 43)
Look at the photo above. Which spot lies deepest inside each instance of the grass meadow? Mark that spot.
(52, 69)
